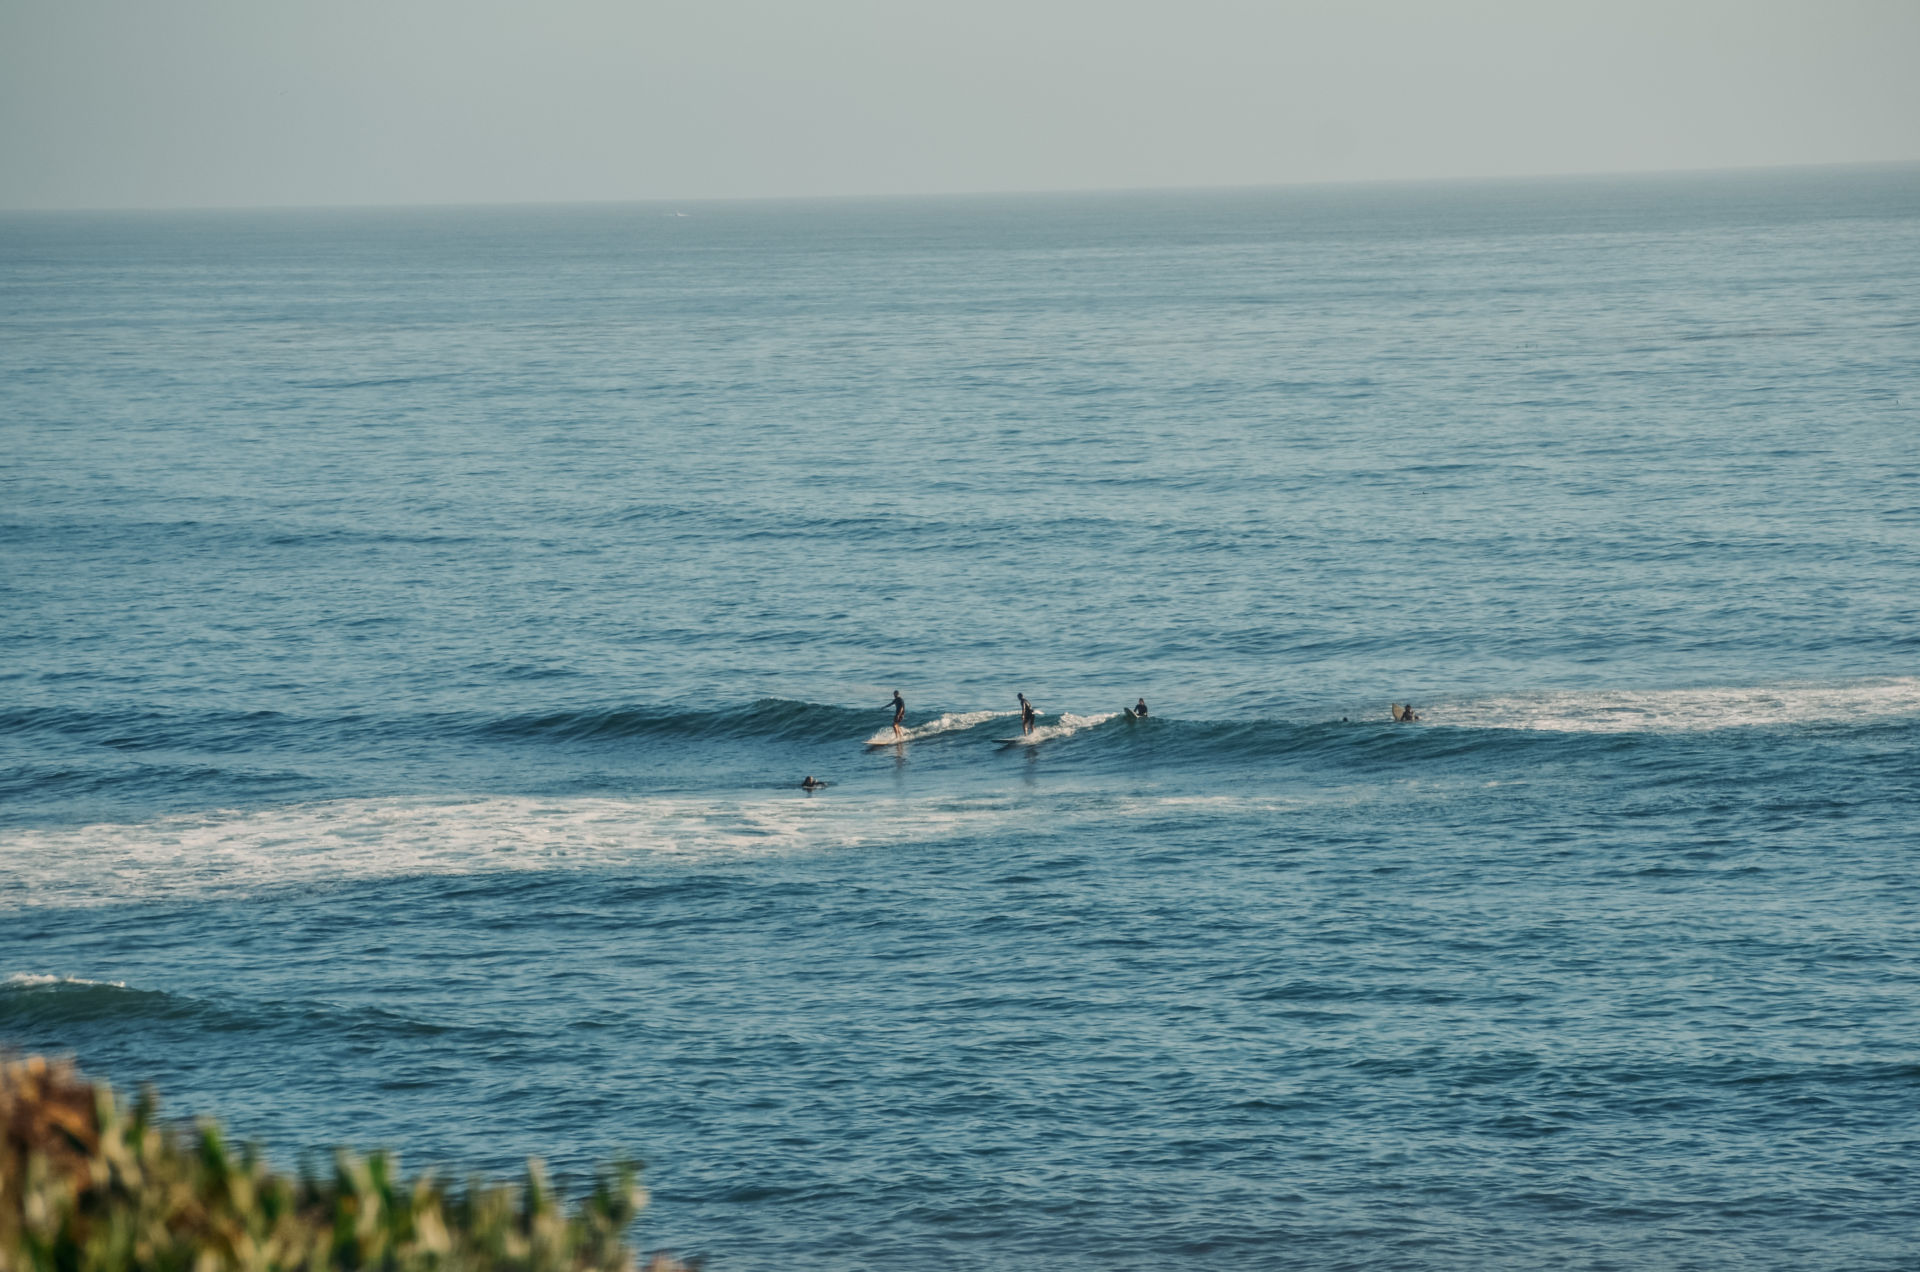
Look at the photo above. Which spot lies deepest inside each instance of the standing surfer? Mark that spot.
(1026, 713)
(899, 711)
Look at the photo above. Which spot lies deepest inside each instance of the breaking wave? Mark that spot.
(951, 722)
(1684, 710)
(1065, 727)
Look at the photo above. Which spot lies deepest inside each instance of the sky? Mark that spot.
(239, 103)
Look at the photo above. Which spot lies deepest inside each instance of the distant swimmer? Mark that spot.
(1403, 711)
(1026, 713)
(1140, 709)
(812, 783)
(899, 711)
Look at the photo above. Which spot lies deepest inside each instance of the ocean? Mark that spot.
(417, 623)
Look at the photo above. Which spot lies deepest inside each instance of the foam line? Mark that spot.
(233, 853)
(41, 980)
(225, 854)
(948, 723)
(1684, 710)
(1068, 725)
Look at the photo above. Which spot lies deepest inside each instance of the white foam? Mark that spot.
(36, 980)
(1683, 710)
(947, 723)
(1068, 725)
(228, 854)
(233, 853)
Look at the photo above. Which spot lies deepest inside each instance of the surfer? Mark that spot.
(1140, 709)
(811, 784)
(1026, 713)
(899, 711)
(1403, 713)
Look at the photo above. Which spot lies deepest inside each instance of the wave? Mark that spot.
(1692, 710)
(143, 729)
(767, 718)
(1065, 727)
(36, 1001)
(41, 980)
(235, 852)
(335, 843)
(1556, 711)
(951, 722)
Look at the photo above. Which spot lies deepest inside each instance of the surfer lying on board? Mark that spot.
(899, 711)
(1140, 709)
(1026, 713)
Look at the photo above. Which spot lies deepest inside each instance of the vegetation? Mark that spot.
(89, 1186)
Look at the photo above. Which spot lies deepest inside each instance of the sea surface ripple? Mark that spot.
(416, 624)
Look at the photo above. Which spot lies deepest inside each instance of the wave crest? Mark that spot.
(1683, 710)
(951, 722)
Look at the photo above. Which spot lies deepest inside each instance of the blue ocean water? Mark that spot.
(416, 622)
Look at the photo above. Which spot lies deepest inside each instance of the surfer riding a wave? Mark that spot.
(899, 711)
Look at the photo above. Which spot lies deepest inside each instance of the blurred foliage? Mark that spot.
(89, 1186)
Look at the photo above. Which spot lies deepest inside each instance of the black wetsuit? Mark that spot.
(899, 710)
(1140, 711)
(1026, 716)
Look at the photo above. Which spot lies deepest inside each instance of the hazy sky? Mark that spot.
(166, 103)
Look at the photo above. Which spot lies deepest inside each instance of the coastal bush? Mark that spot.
(90, 1185)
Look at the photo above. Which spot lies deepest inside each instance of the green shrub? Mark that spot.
(87, 1186)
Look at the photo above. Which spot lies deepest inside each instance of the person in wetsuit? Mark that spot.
(899, 711)
(1140, 709)
(811, 784)
(1026, 713)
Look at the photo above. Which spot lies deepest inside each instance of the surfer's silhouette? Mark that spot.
(1026, 713)
(899, 711)
(811, 784)
(1140, 709)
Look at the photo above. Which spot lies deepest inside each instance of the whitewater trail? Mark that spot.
(1684, 710)
(1068, 725)
(232, 853)
(951, 722)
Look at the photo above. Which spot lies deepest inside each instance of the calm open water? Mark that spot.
(414, 623)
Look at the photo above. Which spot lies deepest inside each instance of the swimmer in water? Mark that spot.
(899, 711)
(1026, 713)
(1140, 709)
(811, 784)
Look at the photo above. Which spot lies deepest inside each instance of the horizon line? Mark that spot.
(1509, 178)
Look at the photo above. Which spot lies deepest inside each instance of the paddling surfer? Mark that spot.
(1026, 713)
(899, 711)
